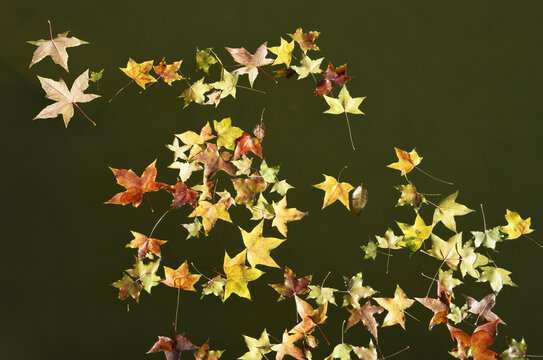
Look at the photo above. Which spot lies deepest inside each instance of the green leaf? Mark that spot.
(497, 277)
(516, 350)
(269, 174)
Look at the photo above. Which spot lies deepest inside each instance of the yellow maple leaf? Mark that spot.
(283, 215)
(210, 213)
(259, 247)
(447, 209)
(283, 52)
(406, 161)
(344, 103)
(227, 134)
(334, 190)
(168, 72)
(395, 307)
(238, 275)
(516, 226)
(195, 92)
(139, 72)
(414, 235)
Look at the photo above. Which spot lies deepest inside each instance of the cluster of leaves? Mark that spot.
(228, 151)
(233, 152)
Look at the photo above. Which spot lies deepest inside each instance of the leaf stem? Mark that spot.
(199, 272)
(248, 88)
(349, 127)
(271, 77)
(158, 222)
(121, 89)
(433, 177)
(177, 308)
(483, 214)
(396, 353)
(533, 240)
(82, 112)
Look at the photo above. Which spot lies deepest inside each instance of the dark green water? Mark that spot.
(460, 81)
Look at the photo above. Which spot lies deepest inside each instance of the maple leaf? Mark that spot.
(365, 314)
(65, 99)
(262, 209)
(180, 278)
(281, 187)
(287, 347)
(341, 351)
(439, 306)
(282, 215)
(168, 72)
(214, 286)
(56, 48)
(142, 276)
(344, 103)
(214, 161)
(406, 161)
(227, 85)
(447, 209)
(226, 199)
(363, 353)
(238, 275)
(332, 75)
(310, 317)
(359, 199)
(185, 168)
(203, 352)
(246, 143)
(139, 72)
(356, 291)
(457, 314)
(135, 186)
(483, 307)
(172, 347)
(226, 133)
(196, 141)
(334, 190)
(182, 195)
(516, 226)
(497, 277)
(488, 238)
(145, 244)
(195, 92)
(470, 260)
(395, 307)
(414, 235)
(178, 151)
(410, 196)
(243, 165)
(128, 287)
(251, 62)
(283, 52)
(446, 282)
(516, 350)
(193, 228)
(213, 98)
(204, 59)
(307, 67)
(248, 189)
(96, 76)
(257, 347)
(389, 241)
(370, 250)
(210, 213)
(477, 344)
(259, 247)
(322, 294)
(292, 286)
(446, 250)
(269, 173)
(305, 40)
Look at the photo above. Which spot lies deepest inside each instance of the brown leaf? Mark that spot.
(292, 285)
(172, 347)
(182, 195)
(145, 244)
(440, 307)
(483, 336)
(365, 315)
(248, 189)
(214, 161)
